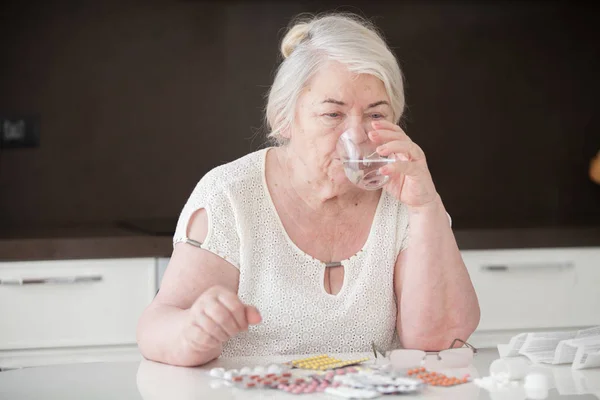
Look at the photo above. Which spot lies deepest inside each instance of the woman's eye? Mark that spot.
(333, 115)
(377, 116)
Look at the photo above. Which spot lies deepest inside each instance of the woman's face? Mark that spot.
(333, 101)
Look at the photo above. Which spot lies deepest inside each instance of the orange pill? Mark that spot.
(422, 369)
(433, 373)
(410, 372)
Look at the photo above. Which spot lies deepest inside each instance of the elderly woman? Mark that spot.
(279, 253)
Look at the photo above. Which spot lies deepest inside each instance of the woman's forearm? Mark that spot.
(437, 301)
(160, 337)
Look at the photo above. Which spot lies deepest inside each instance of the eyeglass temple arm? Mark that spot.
(377, 350)
(463, 342)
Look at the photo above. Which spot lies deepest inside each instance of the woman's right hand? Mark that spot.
(217, 315)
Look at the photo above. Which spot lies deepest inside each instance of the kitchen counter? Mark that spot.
(81, 242)
(149, 380)
(153, 238)
(521, 238)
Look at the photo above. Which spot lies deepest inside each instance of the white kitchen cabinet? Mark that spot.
(72, 304)
(161, 267)
(523, 290)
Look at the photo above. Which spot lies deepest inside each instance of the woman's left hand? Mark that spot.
(410, 180)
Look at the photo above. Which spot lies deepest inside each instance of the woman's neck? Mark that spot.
(315, 189)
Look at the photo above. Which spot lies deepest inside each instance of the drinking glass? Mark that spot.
(361, 161)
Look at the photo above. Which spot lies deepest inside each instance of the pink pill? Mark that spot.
(308, 390)
(340, 372)
(336, 384)
(281, 387)
(297, 391)
(352, 370)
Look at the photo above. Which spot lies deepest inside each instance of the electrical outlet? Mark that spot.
(19, 131)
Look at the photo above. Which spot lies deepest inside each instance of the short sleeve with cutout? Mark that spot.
(222, 236)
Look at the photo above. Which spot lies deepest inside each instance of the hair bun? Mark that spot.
(293, 38)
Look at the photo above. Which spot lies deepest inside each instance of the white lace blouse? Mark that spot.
(286, 284)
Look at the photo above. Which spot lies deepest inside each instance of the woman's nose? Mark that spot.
(358, 133)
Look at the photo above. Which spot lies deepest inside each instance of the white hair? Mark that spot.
(311, 42)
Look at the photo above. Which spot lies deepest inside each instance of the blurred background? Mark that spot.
(137, 100)
(111, 112)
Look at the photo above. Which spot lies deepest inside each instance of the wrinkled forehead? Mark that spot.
(335, 81)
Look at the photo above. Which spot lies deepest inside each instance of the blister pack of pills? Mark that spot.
(381, 383)
(324, 362)
(257, 377)
(277, 377)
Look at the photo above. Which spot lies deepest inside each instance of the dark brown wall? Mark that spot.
(138, 101)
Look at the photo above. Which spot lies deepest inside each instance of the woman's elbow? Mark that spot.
(474, 317)
(457, 325)
(466, 321)
(141, 333)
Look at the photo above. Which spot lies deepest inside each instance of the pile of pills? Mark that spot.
(355, 382)
(437, 379)
(324, 362)
(495, 382)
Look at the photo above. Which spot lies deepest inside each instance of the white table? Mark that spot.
(153, 381)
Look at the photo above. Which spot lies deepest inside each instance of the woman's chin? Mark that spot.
(340, 180)
(343, 183)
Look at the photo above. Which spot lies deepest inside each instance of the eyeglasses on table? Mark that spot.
(452, 357)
